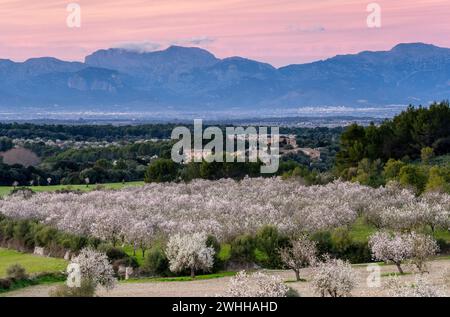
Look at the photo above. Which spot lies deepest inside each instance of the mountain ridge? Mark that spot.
(191, 78)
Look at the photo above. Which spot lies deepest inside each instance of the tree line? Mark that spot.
(411, 148)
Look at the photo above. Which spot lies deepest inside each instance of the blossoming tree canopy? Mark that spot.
(226, 208)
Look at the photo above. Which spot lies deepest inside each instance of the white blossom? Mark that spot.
(95, 267)
(394, 248)
(256, 285)
(421, 288)
(189, 251)
(302, 254)
(423, 247)
(226, 209)
(333, 277)
(398, 247)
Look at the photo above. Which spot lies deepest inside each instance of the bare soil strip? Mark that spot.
(439, 275)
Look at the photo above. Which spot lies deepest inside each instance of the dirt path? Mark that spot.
(440, 275)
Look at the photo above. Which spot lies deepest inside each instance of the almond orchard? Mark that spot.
(186, 217)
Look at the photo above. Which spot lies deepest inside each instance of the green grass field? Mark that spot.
(5, 190)
(32, 263)
(361, 231)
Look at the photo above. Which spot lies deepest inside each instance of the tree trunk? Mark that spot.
(399, 267)
(192, 273)
(297, 275)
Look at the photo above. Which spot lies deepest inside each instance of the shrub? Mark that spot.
(161, 170)
(6, 229)
(16, 272)
(22, 233)
(345, 248)
(156, 263)
(415, 176)
(5, 284)
(243, 249)
(87, 289)
(126, 262)
(74, 243)
(426, 154)
(44, 277)
(44, 235)
(28, 233)
(392, 169)
(5, 144)
(212, 242)
(356, 252)
(112, 253)
(292, 293)
(340, 245)
(131, 261)
(269, 241)
(225, 253)
(323, 241)
(443, 245)
(341, 240)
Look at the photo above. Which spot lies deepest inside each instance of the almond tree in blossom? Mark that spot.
(302, 254)
(189, 251)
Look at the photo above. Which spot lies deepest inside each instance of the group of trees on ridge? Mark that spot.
(411, 148)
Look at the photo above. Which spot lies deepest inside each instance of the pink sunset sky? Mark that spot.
(280, 32)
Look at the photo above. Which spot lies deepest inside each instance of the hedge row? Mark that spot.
(27, 234)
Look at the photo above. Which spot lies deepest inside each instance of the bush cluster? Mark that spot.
(118, 257)
(17, 277)
(340, 245)
(261, 248)
(27, 234)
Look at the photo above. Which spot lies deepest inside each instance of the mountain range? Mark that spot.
(187, 78)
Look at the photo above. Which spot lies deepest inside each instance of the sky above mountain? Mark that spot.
(279, 32)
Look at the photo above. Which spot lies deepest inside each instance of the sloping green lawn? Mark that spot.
(5, 190)
(361, 231)
(32, 263)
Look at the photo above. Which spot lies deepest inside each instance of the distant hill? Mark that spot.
(194, 79)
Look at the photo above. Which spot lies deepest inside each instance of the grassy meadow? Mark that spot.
(31, 263)
(5, 190)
